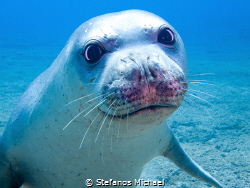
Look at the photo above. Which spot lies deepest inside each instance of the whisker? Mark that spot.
(193, 101)
(104, 119)
(75, 117)
(96, 97)
(202, 92)
(110, 126)
(196, 109)
(84, 111)
(98, 104)
(201, 74)
(113, 116)
(199, 83)
(201, 99)
(199, 80)
(202, 112)
(88, 129)
(78, 99)
(99, 84)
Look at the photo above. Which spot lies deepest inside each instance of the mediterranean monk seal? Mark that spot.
(98, 113)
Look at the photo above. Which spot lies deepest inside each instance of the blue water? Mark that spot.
(216, 35)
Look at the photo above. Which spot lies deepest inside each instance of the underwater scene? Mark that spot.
(212, 124)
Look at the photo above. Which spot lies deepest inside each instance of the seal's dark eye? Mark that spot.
(93, 53)
(166, 36)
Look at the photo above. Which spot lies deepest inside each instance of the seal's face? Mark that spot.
(137, 62)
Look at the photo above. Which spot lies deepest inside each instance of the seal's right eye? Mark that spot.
(166, 37)
(93, 53)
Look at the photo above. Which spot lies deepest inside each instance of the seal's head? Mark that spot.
(135, 62)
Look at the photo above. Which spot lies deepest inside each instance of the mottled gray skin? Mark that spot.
(106, 120)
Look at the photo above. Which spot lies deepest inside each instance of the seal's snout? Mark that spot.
(143, 85)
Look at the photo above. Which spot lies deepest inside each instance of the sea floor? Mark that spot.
(215, 133)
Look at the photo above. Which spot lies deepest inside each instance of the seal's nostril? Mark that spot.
(138, 76)
(153, 72)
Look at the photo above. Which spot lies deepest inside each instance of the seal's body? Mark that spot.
(99, 111)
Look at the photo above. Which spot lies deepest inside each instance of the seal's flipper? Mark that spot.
(8, 178)
(176, 154)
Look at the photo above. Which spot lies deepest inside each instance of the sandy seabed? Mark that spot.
(217, 136)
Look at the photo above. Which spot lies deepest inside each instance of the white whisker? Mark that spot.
(101, 127)
(196, 109)
(199, 83)
(192, 101)
(75, 117)
(96, 97)
(113, 116)
(88, 129)
(201, 74)
(203, 93)
(78, 99)
(201, 99)
(99, 84)
(84, 111)
(104, 120)
(98, 105)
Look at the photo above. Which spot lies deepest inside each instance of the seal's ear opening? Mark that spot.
(93, 52)
(166, 36)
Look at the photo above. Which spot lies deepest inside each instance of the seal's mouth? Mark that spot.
(151, 108)
(148, 110)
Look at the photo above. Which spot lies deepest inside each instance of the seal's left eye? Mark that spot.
(93, 53)
(166, 36)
